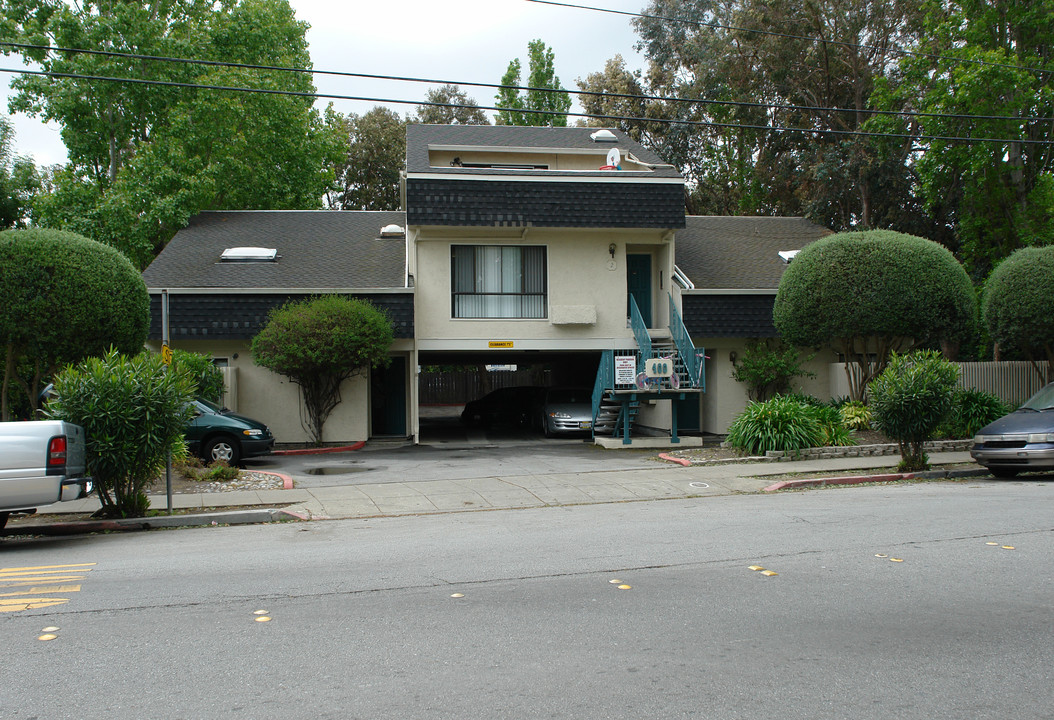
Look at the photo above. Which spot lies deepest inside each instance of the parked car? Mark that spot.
(566, 410)
(1020, 441)
(216, 433)
(504, 406)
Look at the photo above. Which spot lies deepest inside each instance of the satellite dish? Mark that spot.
(614, 157)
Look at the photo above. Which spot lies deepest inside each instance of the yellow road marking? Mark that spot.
(46, 567)
(37, 581)
(36, 573)
(19, 604)
(44, 589)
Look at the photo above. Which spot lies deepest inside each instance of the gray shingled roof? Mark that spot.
(740, 253)
(318, 249)
(419, 137)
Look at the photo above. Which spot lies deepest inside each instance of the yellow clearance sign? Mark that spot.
(500, 344)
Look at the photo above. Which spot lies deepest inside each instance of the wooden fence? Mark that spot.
(1011, 381)
(457, 387)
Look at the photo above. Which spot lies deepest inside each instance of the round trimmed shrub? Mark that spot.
(1017, 306)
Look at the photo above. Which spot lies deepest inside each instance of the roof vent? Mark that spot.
(603, 136)
(249, 254)
(787, 255)
(392, 230)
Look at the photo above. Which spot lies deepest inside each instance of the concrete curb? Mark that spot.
(684, 462)
(319, 451)
(287, 481)
(885, 477)
(234, 517)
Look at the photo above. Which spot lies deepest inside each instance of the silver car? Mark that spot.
(1021, 441)
(567, 410)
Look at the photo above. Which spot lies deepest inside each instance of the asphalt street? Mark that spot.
(921, 601)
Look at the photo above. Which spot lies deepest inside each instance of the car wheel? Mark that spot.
(222, 448)
(1004, 472)
(3, 519)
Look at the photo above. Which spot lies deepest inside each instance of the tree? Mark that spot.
(868, 294)
(63, 298)
(453, 107)
(544, 102)
(133, 411)
(19, 181)
(318, 344)
(367, 173)
(744, 88)
(982, 70)
(767, 367)
(910, 399)
(144, 158)
(1016, 307)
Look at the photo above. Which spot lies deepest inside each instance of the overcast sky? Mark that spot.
(456, 40)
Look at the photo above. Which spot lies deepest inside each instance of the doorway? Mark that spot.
(638, 283)
(388, 399)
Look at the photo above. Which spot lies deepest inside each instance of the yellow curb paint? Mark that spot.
(47, 637)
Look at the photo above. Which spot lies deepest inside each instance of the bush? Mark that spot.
(788, 424)
(207, 378)
(910, 399)
(767, 368)
(1016, 306)
(970, 411)
(855, 415)
(133, 411)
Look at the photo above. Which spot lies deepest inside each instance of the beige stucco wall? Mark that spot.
(586, 288)
(274, 400)
(725, 398)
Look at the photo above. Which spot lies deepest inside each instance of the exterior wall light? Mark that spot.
(611, 250)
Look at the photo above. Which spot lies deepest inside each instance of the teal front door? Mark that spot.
(388, 399)
(638, 282)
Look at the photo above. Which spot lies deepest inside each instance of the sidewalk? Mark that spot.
(664, 481)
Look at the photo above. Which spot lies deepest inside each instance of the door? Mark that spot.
(388, 399)
(638, 282)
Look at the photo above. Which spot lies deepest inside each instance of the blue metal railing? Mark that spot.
(640, 333)
(691, 356)
(605, 377)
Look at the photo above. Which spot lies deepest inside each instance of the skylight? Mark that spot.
(249, 254)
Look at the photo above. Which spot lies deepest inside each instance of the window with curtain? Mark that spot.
(498, 281)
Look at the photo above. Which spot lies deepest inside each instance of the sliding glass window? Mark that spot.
(498, 281)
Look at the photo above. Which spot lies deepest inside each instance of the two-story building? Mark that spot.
(516, 245)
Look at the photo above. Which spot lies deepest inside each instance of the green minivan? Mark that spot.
(216, 433)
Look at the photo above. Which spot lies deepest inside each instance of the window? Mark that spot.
(498, 281)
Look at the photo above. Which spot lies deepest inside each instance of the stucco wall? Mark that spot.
(586, 287)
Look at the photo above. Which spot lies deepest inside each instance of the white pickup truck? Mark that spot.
(41, 462)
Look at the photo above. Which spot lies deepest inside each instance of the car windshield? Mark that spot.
(211, 406)
(1043, 400)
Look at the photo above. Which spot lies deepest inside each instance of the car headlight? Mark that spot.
(1041, 437)
(560, 415)
(982, 439)
(254, 432)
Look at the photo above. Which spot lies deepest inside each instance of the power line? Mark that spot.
(790, 36)
(626, 118)
(587, 93)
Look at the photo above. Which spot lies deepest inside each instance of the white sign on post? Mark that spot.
(625, 369)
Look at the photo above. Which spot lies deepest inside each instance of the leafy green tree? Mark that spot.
(144, 158)
(544, 103)
(19, 181)
(1016, 307)
(367, 172)
(767, 368)
(133, 411)
(983, 70)
(318, 344)
(910, 399)
(869, 294)
(63, 298)
(207, 379)
(454, 107)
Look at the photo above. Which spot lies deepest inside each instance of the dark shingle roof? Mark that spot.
(319, 249)
(722, 316)
(506, 203)
(215, 316)
(420, 137)
(730, 253)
